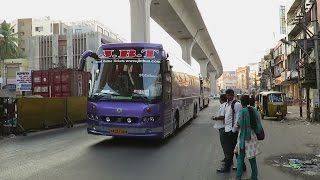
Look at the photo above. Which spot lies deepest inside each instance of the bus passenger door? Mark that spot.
(167, 98)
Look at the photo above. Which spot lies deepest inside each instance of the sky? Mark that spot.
(242, 31)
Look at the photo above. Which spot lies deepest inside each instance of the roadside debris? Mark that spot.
(307, 165)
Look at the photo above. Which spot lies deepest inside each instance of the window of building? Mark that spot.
(99, 29)
(39, 29)
(11, 71)
(106, 32)
(77, 30)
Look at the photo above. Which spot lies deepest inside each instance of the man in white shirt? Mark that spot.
(219, 124)
(232, 110)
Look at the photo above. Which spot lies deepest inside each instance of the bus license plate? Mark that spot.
(119, 131)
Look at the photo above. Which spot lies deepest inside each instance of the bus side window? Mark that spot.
(168, 89)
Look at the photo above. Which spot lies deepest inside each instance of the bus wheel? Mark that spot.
(175, 123)
(195, 111)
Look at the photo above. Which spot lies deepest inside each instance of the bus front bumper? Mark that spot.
(117, 131)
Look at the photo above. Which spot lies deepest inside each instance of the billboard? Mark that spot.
(23, 80)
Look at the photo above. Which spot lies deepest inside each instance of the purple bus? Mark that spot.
(136, 91)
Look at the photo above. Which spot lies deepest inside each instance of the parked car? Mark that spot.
(217, 96)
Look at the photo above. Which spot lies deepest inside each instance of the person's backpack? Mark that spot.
(260, 135)
(233, 111)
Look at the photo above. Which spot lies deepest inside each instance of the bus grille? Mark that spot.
(117, 119)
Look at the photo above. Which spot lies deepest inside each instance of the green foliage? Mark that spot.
(9, 41)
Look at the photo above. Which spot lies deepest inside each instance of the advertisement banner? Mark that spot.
(23, 80)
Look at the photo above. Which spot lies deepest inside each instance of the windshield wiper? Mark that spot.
(103, 96)
(142, 96)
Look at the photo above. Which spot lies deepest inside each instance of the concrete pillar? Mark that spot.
(140, 20)
(203, 67)
(213, 83)
(34, 53)
(186, 46)
(69, 48)
(55, 50)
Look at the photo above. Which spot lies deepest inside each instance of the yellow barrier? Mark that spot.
(77, 108)
(54, 111)
(38, 113)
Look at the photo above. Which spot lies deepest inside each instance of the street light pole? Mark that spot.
(2, 61)
(316, 50)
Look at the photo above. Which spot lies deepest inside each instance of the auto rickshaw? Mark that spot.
(272, 104)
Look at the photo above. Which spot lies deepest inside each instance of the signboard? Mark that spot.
(23, 80)
(130, 53)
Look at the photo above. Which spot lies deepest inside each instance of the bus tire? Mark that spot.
(176, 122)
(195, 111)
(200, 105)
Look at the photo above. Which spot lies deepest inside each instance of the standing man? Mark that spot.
(252, 101)
(219, 124)
(232, 109)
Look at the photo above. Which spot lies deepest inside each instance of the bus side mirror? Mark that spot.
(166, 66)
(84, 56)
(165, 55)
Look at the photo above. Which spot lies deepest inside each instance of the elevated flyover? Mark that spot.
(182, 20)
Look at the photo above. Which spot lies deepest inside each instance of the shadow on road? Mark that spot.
(131, 143)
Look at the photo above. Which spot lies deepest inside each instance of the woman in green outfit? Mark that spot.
(247, 144)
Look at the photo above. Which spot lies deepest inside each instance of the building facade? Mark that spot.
(243, 78)
(63, 51)
(253, 77)
(28, 27)
(10, 67)
(48, 43)
(94, 26)
(227, 80)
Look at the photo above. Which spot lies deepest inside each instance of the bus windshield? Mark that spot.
(129, 80)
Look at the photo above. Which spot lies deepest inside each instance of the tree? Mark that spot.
(8, 46)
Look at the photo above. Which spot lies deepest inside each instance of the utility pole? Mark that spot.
(305, 57)
(316, 52)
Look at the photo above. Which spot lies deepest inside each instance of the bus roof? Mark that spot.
(179, 65)
(123, 45)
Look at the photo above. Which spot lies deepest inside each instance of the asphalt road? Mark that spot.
(193, 154)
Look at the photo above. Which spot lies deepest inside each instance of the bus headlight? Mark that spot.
(151, 119)
(108, 119)
(145, 119)
(129, 120)
(90, 116)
